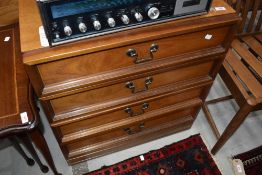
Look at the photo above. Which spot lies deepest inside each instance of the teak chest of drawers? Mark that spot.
(115, 91)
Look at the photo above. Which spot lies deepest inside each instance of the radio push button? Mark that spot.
(111, 22)
(97, 25)
(138, 16)
(153, 13)
(125, 19)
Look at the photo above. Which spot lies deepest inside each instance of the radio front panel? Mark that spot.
(70, 20)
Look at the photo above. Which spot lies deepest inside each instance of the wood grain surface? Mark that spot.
(151, 120)
(125, 74)
(82, 85)
(77, 67)
(34, 52)
(8, 12)
(14, 86)
(88, 98)
(84, 153)
(78, 130)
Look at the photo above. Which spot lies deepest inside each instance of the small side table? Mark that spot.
(19, 119)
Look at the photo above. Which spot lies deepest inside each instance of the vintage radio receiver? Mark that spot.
(70, 20)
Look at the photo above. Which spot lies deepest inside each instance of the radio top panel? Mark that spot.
(70, 20)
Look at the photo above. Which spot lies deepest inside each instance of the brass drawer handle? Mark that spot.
(153, 48)
(131, 85)
(133, 54)
(129, 131)
(131, 112)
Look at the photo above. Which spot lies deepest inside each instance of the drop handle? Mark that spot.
(154, 47)
(130, 131)
(132, 113)
(131, 85)
(133, 54)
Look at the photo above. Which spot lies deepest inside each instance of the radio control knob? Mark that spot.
(68, 31)
(111, 22)
(138, 16)
(153, 13)
(97, 25)
(56, 34)
(55, 26)
(125, 19)
(82, 27)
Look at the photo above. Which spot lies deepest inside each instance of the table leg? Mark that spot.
(40, 142)
(28, 143)
(17, 146)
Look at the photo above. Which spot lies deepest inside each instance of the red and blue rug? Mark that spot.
(186, 157)
(252, 161)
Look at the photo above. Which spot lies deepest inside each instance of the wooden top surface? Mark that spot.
(14, 81)
(8, 12)
(34, 53)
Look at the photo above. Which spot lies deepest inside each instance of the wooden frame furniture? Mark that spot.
(16, 96)
(8, 12)
(242, 70)
(111, 92)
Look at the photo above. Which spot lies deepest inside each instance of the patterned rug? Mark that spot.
(252, 161)
(186, 157)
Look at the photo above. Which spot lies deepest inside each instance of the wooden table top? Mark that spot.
(14, 86)
(8, 12)
(34, 53)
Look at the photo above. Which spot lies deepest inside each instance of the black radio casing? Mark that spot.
(64, 29)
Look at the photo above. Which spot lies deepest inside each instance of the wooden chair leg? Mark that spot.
(39, 140)
(219, 99)
(209, 116)
(210, 120)
(28, 143)
(16, 145)
(237, 120)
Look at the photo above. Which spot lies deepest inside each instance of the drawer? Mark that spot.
(110, 106)
(80, 154)
(172, 114)
(132, 87)
(85, 65)
(81, 129)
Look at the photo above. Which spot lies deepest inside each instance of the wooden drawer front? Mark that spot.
(86, 65)
(76, 101)
(80, 155)
(80, 129)
(168, 115)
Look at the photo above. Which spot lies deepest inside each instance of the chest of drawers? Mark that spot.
(111, 92)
